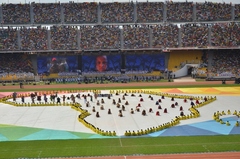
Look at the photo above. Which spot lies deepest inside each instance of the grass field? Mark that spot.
(120, 146)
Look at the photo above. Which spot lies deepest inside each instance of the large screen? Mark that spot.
(57, 64)
(101, 63)
(145, 62)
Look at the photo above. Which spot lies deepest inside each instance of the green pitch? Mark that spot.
(120, 146)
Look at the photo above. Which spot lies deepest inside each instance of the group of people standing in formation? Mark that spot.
(56, 98)
(122, 105)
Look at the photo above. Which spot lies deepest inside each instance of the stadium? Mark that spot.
(151, 57)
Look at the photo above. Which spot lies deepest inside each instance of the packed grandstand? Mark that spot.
(141, 40)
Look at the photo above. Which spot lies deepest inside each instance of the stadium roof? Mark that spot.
(80, 1)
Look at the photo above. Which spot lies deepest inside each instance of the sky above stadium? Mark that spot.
(80, 1)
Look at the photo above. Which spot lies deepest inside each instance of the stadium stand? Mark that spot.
(136, 36)
(117, 12)
(165, 36)
(185, 32)
(15, 66)
(180, 12)
(80, 12)
(8, 39)
(195, 35)
(33, 38)
(16, 13)
(210, 11)
(100, 37)
(237, 11)
(225, 34)
(64, 38)
(47, 13)
(149, 12)
(225, 63)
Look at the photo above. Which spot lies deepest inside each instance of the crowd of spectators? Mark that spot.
(90, 37)
(210, 11)
(47, 13)
(225, 34)
(226, 63)
(165, 36)
(8, 39)
(80, 12)
(15, 64)
(180, 11)
(64, 38)
(117, 12)
(100, 37)
(33, 38)
(136, 36)
(237, 12)
(87, 12)
(150, 12)
(194, 35)
(15, 13)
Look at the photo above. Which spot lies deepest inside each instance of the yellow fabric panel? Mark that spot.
(177, 57)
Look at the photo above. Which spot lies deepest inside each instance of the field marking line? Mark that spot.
(120, 141)
(205, 147)
(40, 152)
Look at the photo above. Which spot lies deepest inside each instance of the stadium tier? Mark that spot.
(125, 37)
(118, 26)
(128, 12)
(119, 66)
